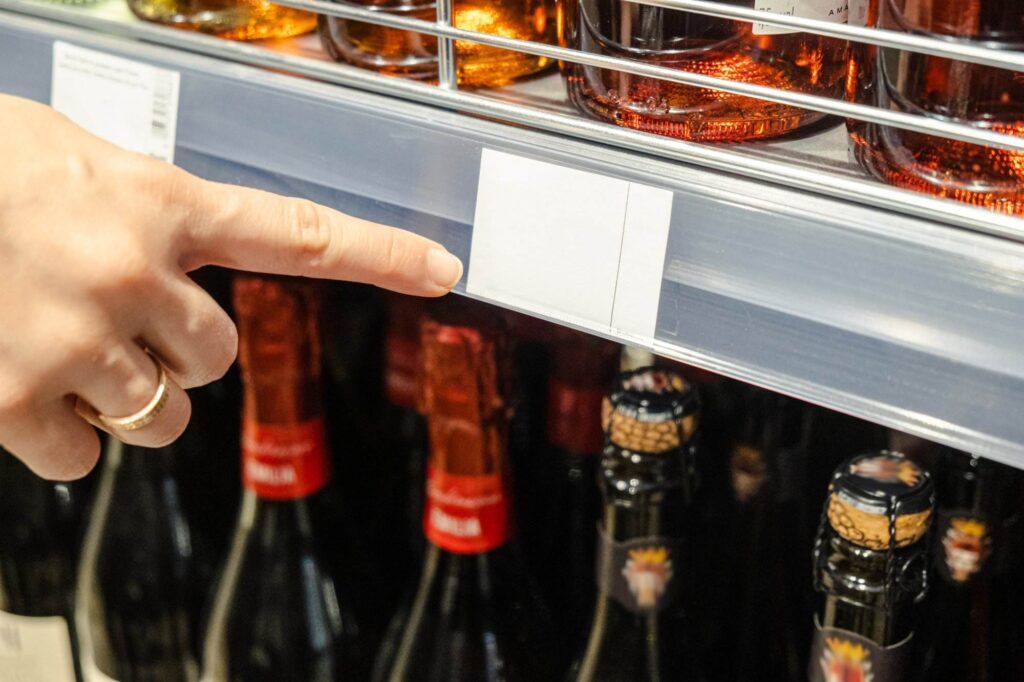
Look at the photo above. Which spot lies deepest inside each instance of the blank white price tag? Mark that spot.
(131, 104)
(573, 245)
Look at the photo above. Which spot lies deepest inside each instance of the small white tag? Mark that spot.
(569, 244)
(131, 104)
(35, 649)
(835, 11)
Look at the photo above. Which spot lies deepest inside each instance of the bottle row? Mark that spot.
(514, 501)
(884, 77)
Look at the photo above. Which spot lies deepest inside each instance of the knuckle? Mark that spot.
(309, 232)
(16, 399)
(123, 269)
(215, 339)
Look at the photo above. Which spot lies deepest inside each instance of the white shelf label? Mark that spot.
(835, 11)
(576, 246)
(35, 649)
(131, 104)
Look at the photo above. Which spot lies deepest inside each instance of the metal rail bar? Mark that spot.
(719, 157)
(951, 48)
(827, 105)
(447, 69)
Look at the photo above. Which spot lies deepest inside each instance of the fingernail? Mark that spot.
(444, 269)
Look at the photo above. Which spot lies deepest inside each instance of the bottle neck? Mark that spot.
(574, 418)
(467, 504)
(868, 592)
(642, 532)
(284, 448)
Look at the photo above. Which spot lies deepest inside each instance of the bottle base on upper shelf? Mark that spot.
(412, 55)
(230, 19)
(982, 176)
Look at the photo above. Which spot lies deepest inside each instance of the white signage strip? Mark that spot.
(132, 104)
(576, 246)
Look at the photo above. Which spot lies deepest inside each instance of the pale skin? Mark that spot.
(95, 244)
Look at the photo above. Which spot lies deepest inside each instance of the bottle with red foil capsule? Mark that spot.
(276, 615)
(568, 501)
(474, 614)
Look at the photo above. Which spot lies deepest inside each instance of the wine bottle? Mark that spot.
(871, 568)
(768, 597)
(136, 576)
(638, 631)
(474, 614)
(40, 531)
(566, 498)
(276, 615)
(974, 502)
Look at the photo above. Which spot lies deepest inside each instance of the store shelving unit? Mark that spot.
(785, 267)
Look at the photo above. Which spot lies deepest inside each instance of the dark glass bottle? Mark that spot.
(136, 581)
(638, 631)
(566, 499)
(946, 90)
(276, 615)
(474, 614)
(40, 531)
(871, 568)
(976, 500)
(750, 53)
(769, 600)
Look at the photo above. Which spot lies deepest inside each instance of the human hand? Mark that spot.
(95, 244)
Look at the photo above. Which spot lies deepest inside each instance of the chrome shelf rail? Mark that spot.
(827, 105)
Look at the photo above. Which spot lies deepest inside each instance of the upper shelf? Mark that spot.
(784, 267)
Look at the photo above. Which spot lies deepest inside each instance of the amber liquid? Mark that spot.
(944, 89)
(413, 55)
(234, 19)
(704, 45)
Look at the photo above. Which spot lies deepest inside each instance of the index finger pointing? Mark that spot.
(249, 229)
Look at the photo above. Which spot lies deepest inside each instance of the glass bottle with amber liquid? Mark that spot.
(276, 615)
(232, 19)
(976, 503)
(871, 568)
(40, 531)
(750, 53)
(639, 630)
(945, 90)
(474, 614)
(414, 55)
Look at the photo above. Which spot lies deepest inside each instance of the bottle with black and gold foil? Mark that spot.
(976, 508)
(638, 630)
(871, 566)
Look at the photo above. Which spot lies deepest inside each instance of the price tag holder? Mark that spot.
(131, 104)
(569, 244)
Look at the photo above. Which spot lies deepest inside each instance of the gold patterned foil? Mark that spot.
(630, 433)
(872, 530)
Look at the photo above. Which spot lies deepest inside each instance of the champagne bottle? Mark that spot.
(40, 531)
(276, 615)
(638, 631)
(136, 577)
(974, 502)
(474, 615)
(871, 567)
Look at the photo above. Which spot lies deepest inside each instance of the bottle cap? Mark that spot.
(872, 493)
(650, 411)
(278, 327)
